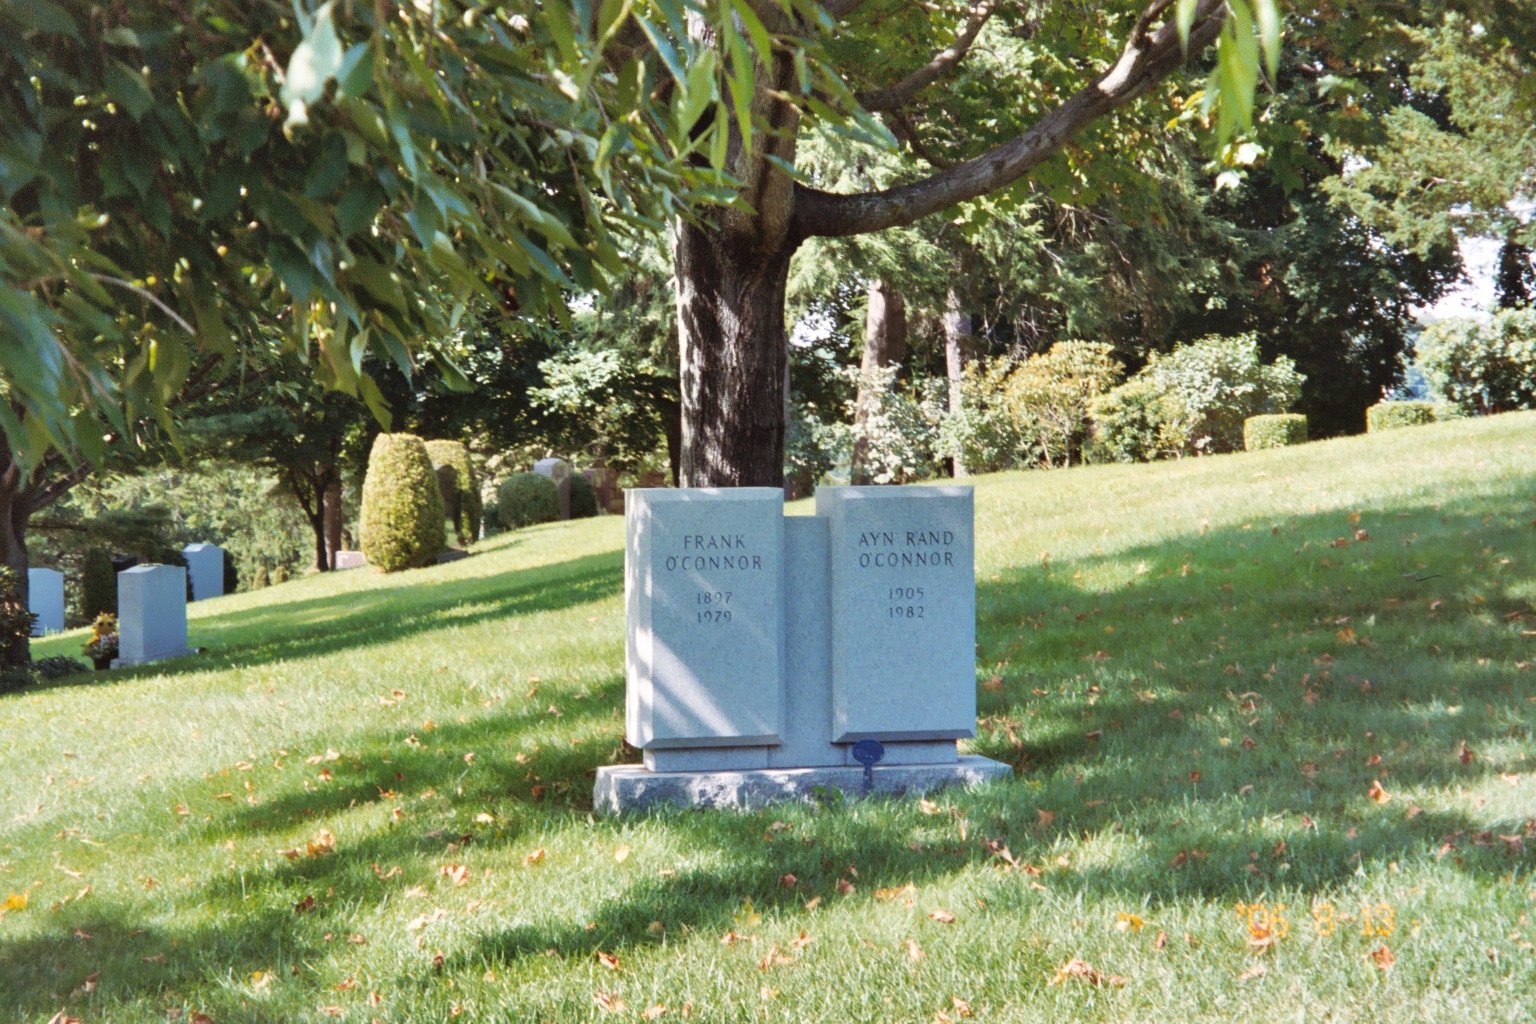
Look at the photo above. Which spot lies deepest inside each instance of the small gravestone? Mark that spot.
(350, 560)
(205, 567)
(560, 472)
(151, 613)
(45, 599)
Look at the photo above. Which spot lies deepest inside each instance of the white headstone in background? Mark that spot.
(205, 564)
(560, 472)
(903, 612)
(703, 593)
(151, 613)
(350, 560)
(45, 599)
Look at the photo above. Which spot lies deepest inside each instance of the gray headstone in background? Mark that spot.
(350, 560)
(903, 609)
(45, 599)
(560, 472)
(703, 593)
(205, 564)
(151, 613)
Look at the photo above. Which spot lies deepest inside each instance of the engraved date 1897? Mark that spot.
(904, 603)
(713, 606)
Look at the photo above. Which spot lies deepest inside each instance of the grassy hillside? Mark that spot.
(1271, 716)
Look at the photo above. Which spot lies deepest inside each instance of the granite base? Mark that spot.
(623, 788)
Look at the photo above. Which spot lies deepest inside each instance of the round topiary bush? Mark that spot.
(262, 579)
(98, 584)
(1276, 430)
(527, 498)
(1390, 415)
(402, 515)
(466, 512)
(583, 497)
(280, 575)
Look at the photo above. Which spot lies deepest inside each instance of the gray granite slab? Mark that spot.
(205, 564)
(903, 612)
(703, 591)
(45, 599)
(151, 613)
(622, 789)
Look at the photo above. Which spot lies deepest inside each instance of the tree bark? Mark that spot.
(733, 347)
(332, 501)
(957, 338)
(15, 511)
(885, 345)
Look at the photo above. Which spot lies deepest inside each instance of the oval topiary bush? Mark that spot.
(402, 514)
(583, 497)
(98, 584)
(467, 515)
(1274, 430)
(527, 498)
(1389, 415)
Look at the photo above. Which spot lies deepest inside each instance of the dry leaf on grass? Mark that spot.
(1081, 971)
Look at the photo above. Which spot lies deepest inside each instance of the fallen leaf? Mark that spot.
(1160, 941)
(943, 917)
(844, 887)
(891, 892)
(608, 960)
(652, 1012)
(1377, 793)
(322, 844)
(14, 901)
(609, 1002)
(1128, 922)
(1382, 957)
(914, 951)
(1256, 971)
(63, 1018)
(621, 855)
(1080, 970)
(536, 857)
(458, 874)
(788, 881)
(774, 958)
(1044, 818)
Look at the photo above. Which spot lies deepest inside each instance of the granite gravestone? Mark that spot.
(876, 615)
(151, 613)
(350, 560)
(704, 648)
(45, 599)
(560, 472)
(205, 566)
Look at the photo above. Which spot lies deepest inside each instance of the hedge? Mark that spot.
(527, 498)
(1390, 415)
(402, 514)
(468, 513)
(1274, 430)
(98, 584)
(583, 497)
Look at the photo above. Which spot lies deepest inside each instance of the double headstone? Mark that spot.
(205, 566)
(45, 599)
(762, 648)
(559, 472)
(151, 613)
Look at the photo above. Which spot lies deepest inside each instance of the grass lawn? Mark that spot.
(1271, 717)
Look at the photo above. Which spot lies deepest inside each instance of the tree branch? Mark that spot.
(1148, 58)
(894, 96)
(148, 296)
(841, 8)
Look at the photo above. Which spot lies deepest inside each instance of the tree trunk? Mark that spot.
(15, 511)
(957, 338)
(730, 318)
(332, 501)
(885, 345)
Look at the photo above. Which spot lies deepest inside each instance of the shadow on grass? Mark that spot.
(319, 626)
(1209, 715)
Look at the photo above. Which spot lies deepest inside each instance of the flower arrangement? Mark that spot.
(101, 648)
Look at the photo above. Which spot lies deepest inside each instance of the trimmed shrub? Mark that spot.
(98, 584)
(583, 497)
(261, 580)
(1274, 430)
(1482, 368)
(402, 515)
(465, 510)
(1389, 415)
(1138, 422)
(527, 498)
(58, 666)
(1221, 382)
(280, 575)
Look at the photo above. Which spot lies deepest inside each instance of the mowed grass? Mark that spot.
(1271, 718)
